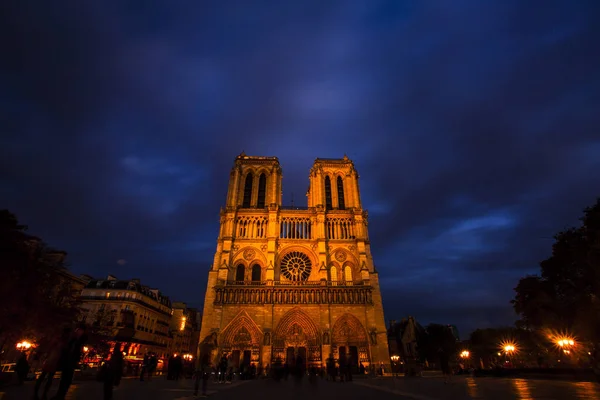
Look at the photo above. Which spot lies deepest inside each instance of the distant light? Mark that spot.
(24, 345)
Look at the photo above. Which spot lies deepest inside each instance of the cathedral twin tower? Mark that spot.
(290, 282)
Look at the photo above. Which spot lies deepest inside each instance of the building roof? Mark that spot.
(132, 284)
(344, 160)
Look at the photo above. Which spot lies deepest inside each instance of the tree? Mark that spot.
(485, 344)
(436, 337)
(35, 301)
(565, 296)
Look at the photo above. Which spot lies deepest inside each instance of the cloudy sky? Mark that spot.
(474, 125)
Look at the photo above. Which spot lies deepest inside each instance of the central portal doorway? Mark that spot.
(294, 355)
(240, 359)
(350, 355)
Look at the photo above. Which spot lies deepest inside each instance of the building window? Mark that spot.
(328, 205)
(262, 190)
(333, 274)
(340, 191)
(347, 273)
(247, 191)
(239, 273)
(256, 273)
(296, 266)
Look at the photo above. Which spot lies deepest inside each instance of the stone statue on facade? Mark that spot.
(373, 337)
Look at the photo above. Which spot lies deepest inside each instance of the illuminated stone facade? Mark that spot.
(128, 312)
(293, 281)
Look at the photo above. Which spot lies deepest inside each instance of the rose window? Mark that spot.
(296, 266)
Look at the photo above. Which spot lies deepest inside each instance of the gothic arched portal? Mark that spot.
(349, 339)
(241, 340)
(297, 336)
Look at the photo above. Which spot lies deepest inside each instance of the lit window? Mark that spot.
(348, 273)
(333, 274)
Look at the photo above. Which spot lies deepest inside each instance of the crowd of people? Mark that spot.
(64, 355)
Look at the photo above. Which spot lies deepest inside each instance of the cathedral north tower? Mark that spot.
(293, 283)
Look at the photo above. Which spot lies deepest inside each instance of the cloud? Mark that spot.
(474, 127)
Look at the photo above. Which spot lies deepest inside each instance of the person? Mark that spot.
(445, 365)
(202, 374)
(69, 361)
(22, 368)
(51, 364)
(223, 368)
(113, 371)
(145, 366)
(152, 364)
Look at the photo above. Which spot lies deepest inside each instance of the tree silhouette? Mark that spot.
(565, 296)
(35, 299)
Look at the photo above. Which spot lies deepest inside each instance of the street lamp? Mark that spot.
(565, 344)
(395, 359)
(465, 354)
(509, 349)
(24, 345)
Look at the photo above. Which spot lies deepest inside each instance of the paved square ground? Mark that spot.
(461, 388)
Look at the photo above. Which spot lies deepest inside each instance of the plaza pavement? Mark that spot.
(468, 388)
(387, 388)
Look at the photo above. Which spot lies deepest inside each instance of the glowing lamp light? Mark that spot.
(465, 354)
(24, 345)
(565, 342)
(395, 358)
(509, 348)
(86, 349)
(182, 326)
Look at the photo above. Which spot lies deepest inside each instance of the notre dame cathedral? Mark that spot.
(290, 282)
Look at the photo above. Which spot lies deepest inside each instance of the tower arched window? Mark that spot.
(328, 204)
(239, 273)
(347, 273)
(262, 189)
(340, 193)
(247, 191)
(333, 274)
(256, 273)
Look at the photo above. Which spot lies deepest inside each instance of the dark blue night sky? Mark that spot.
(474, 125)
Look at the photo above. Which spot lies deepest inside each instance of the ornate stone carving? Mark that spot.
(263, 247)
(249, 254)
(314, 246)
(348, 330)
(340, 256)
(326, 338)
(267, 339)
(235, 247)
(352, 247)
(373, 335)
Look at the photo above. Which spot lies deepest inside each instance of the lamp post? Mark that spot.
(24, 345)
(395, 359)
(565, 344)
(509, 349)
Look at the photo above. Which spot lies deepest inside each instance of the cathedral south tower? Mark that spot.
(293, 284)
